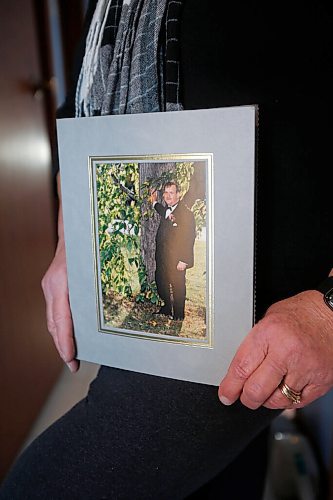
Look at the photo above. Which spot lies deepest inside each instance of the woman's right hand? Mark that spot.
(58, 313)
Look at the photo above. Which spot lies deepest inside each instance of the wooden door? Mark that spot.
(29, 364)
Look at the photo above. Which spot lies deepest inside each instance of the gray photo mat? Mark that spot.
(229, 135)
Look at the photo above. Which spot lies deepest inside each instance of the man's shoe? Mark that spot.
(178, 318)
(165, 311)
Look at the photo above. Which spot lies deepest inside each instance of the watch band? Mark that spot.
(326, 288)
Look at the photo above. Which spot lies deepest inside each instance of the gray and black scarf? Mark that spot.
(131, 62)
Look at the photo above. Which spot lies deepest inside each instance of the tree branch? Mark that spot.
(125, 190)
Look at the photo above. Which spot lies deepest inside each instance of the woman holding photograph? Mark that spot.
(138, 436)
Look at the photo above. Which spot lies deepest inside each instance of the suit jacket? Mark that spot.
(175, 238)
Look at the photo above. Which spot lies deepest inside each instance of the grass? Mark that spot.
(125, 313)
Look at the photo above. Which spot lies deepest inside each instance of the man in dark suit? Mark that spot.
(174, 250)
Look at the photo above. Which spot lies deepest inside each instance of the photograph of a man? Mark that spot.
(151, 225)
(174, 249)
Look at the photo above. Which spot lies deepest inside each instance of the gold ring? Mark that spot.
(294, 396)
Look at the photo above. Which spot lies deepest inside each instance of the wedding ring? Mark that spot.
(290, 394)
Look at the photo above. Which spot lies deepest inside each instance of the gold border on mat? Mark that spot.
(208, 157)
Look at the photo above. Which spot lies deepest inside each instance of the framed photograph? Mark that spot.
(152, 224)
(159, 219)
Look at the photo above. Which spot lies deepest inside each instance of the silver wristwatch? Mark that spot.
(326, 288)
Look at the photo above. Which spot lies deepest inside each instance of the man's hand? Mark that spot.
(181, 266)
(153, 196)
(58, 314)
(293, 343)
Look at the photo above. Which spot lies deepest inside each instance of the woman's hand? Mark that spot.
(58, 314)
(293, 343)
(55, 288)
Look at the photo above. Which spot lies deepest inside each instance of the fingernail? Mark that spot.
(70, 366)
(225, 401)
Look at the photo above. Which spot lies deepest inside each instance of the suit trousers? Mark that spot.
(138, 436)
(170, 280)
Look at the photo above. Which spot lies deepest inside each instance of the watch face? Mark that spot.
(329, 298)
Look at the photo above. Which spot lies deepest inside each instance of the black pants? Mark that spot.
(168, 279)
(140, 437)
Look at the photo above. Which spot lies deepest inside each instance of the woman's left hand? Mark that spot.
(292, 344)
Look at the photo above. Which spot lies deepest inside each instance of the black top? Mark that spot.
(235, 53)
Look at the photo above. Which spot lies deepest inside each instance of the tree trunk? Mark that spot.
(149, 225)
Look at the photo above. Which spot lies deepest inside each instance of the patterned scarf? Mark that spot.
(131, 61)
